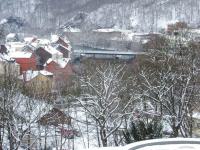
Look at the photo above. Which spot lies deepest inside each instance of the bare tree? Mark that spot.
(102, 95)
(169, 79)
(19, 113)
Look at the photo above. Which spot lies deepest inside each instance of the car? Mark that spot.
(166, 144)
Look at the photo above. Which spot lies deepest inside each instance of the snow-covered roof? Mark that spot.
(40, 42)
(196, 115)
(146, 33)
(45, 73)
(163, 23)
(54, 38)
(29, 75)
(43, 41)
(29, 39)
(66, 40)
(14, 46)
(197, 31)
(5, 57)
(61, 62)
(20, 54)
(3, 21)
(144, 41)
(49, 60)
(111, 30)
(69, 48)
(11, 35)
(72, 29)
(52, 50)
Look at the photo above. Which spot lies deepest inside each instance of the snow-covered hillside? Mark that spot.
(140, 15)
(145, 15)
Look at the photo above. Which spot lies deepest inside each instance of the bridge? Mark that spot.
(106, 54)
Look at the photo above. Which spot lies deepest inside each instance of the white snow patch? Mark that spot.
(29, 39)
(70, 29)
(29, 75)
(134, 21)
(196, 115)
(54, 38)
(165, 23)
(195, 31)
(14, 46)
(44, 41)
(61, 62)
(145, 41)
(20, 54)
(5, 57)
(3, 21)
(11, 35)
(40, 42)
(111, 30)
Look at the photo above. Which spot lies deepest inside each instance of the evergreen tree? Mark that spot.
(139, 131)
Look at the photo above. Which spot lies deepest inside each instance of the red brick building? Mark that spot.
(59, 67)
(27, 61)
(62, 71)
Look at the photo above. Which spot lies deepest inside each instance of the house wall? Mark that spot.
(56, 70)
(43, 56)
(52, 67)
(26, 63)
(33, 143)
(40, 85)
(196, 127)
(12, 68)
(61, 75)
(62, 42)
(3, 49)
(65, 52)
(2, 68)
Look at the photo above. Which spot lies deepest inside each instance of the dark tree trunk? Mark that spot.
(10, 138)
(175, 131)
(103, 139)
